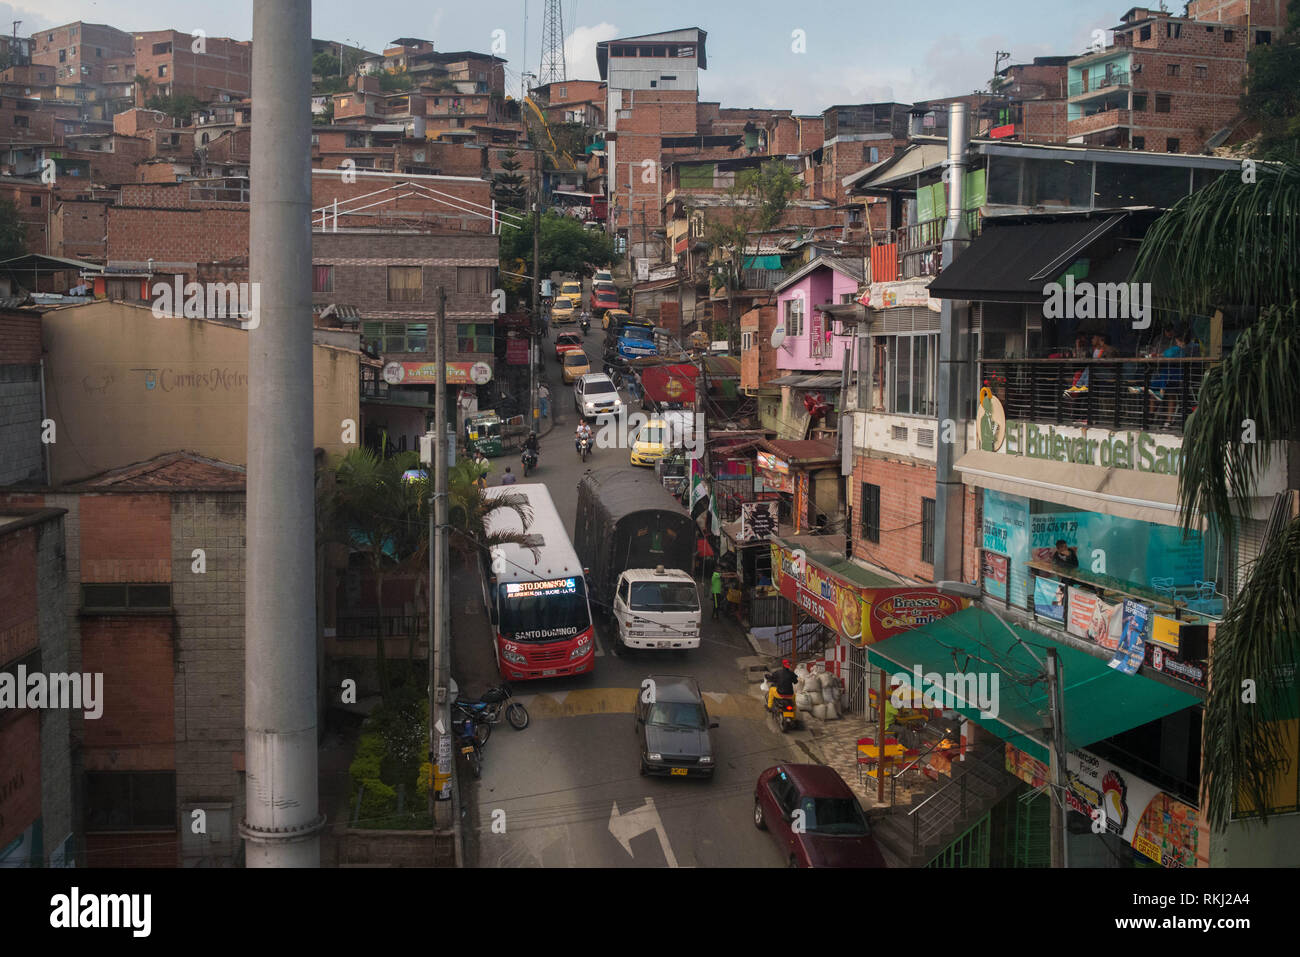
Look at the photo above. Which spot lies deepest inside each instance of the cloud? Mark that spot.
(580, 50)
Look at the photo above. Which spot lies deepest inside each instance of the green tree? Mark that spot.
(377, 512)
(754, 205)
(1234, 247)
(566, 246)
(395, 82)
(508, 189)
(470, 512)
(179, 107)
(1272, 97)
(13, 234)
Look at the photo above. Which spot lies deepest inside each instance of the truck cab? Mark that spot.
(657, 608)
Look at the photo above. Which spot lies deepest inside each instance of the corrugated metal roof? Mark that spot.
(625, 490)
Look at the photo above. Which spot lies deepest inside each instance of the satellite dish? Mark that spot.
(778, 337)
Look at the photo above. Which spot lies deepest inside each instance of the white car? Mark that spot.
(594, 395)
(603, 276)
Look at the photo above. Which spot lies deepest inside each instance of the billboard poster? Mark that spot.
(1154, 823)
(1006, 531)
(1132, 643)
(830, 599)
(757, 521)
(995, 574)
(1088, 616)
(891, 611)
(1049, 599)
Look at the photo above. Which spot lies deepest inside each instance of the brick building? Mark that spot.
(179, 64)
(1167, 84)
(758, 360)
(80, 52)
(78, 229)
(572, 101)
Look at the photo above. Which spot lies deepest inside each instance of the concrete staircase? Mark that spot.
(913, 833)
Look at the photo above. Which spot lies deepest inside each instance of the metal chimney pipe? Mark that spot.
(955, 175)
(283, 819)
(954, 324)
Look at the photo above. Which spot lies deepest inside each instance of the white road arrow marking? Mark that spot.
(624, 827)
(718, 696)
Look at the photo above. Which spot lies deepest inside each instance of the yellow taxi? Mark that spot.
(571, 289)
(574, 365)
(565, 310)
(612, 315)
(650, 443)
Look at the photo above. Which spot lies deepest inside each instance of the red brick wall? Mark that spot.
(38, 128)
(20, 773)
(1045, 121)
(137, 729)
(175, 235)
(902, 486)
(20, 340)
(758, 364)
(126, 538)
(972, 536)
(225, 66)
(655, 114)
(78, 229)
(35, 219)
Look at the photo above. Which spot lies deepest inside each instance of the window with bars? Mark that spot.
(475, 337)
(474, 279)
(322, 278)
(927, 530)
(793, 317)
(871, 512)
(405, 284)
(388, 337)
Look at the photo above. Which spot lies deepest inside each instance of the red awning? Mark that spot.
(675, 383)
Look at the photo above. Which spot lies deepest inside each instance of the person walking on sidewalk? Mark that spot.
(544, 399)
(717, 592)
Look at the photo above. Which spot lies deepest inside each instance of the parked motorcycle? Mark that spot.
(488, 711)
(471, 736)
(529, 459)
(782, 710)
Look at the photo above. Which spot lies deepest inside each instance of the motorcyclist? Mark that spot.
(781, 682)
(583, 431)
(530, 445)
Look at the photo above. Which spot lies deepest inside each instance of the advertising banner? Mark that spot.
(995, 574)
(757, 521)
(1156, 824)
(517, 352)
(774, 481)
(426, 373)
(1132, 643)
(891, 611)
(1092, 618)
(834, 602)
(1164, 632)
(1049, 599)
(768, 461)
(1006, 531)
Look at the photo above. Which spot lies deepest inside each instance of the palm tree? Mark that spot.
(1234, 247)
(469, 513)
(381, 514)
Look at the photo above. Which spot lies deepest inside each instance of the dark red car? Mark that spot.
(566, 341)
(814, 817)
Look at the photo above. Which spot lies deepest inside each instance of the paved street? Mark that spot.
(559, 781)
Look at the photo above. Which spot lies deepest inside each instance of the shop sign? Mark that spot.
(426, 373)
(774, 482)
(1173, 664)
(892, 611)
(1156, 824)
(517, 352)
(995, 573)
(1164, 632)
(757, 521)
(1140, 451)
(828, 598)
(891, 295)
(768, 461)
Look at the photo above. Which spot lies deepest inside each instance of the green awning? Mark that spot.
(763, 262)
(1099, 702)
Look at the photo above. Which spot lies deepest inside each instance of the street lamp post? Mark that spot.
(1051, 671)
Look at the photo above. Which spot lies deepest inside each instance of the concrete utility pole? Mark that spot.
(283, 809)
(1060, 807)
(439, 652)
(949, 491)
(537, 286)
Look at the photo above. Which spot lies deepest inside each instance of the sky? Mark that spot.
(854, 51)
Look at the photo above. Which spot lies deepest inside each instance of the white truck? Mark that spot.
(637, 546)
(657, 608)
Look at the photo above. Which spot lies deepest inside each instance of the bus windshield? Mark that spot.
(543, 611)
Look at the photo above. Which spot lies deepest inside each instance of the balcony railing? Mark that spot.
(1101, 120)
(1100, 83)
(1148, 395)
(919, 243)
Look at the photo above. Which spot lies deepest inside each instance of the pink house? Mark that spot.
(811, 340)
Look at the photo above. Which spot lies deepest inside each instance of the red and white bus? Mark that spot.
(537, 600)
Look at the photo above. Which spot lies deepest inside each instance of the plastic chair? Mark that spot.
(1205, 590)
(864, 759)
